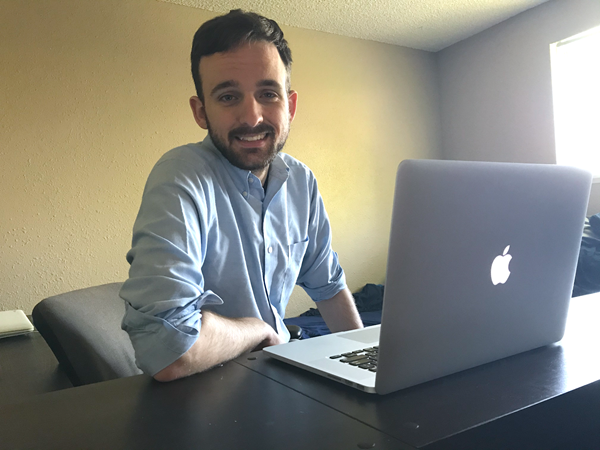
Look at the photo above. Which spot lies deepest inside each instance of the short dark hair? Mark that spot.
(229, 31)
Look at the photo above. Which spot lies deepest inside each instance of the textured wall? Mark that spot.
(94, 92)
(496, 87)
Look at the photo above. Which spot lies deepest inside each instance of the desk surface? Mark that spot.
(229, 407)
(27, 368)
(546, 398)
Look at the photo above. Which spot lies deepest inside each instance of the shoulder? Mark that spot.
(187, 164)
(301, 182)
(297, 169)
(194, 156)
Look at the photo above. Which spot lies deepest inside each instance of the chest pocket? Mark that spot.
(296, 252)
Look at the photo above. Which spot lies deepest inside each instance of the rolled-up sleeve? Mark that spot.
(165, 290)
(321, 275)
(159, 341)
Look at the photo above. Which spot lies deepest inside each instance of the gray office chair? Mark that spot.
(83, 329)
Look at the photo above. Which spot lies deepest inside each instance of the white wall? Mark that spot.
(496, 90)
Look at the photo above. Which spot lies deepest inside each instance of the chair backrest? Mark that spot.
(83, 329)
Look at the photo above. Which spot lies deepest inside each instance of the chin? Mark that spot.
(253, 159)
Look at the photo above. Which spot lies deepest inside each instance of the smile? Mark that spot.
(252, 138)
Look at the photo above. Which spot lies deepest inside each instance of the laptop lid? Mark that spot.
(481, 263)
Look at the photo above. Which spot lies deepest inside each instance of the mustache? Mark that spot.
(246, 130)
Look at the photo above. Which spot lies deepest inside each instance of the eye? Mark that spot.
(270, 95)
(227, 98)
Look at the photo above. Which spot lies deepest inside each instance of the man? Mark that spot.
(228, 226)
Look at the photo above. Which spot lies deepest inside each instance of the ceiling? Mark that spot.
(421, 24)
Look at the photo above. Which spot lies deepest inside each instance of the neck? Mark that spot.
(261, 174)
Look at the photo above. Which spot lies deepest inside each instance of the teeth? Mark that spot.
(256, 137)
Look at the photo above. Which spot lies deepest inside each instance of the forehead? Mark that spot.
(244, 65)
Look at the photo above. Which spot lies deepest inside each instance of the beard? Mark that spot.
(239, 158)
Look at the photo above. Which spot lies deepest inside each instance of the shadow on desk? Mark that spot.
(229, 407)
(27, 368)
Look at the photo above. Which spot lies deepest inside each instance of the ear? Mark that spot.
(199, 112)
(292, 103)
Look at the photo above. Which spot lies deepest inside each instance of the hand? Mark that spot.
(272, 338)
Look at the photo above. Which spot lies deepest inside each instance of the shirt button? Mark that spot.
(250, 180)
(245, 194)
(270, 250)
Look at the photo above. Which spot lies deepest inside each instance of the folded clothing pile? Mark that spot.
(369, 302)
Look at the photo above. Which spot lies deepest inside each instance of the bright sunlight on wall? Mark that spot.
(576, 91)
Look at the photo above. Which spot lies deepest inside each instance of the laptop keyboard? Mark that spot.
(363, 359)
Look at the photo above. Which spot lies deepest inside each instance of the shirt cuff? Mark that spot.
(160, 340)
(328, 291)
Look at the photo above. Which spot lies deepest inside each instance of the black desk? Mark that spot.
(27, 368)
(229, 407)
(546, 398)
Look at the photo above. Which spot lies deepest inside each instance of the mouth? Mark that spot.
(251, 137)
(252, 141)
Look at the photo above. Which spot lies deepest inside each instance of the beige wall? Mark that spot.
(496, 88)
(94, 92)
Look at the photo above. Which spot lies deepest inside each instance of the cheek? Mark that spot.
(280, 118)
(219, 120)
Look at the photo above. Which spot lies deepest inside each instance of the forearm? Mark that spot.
(221, 339)
(339, 312)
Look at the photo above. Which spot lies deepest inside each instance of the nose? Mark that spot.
(250, 112)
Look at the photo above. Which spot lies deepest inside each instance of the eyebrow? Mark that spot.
(269, 83)
(224, 85)
(231, 83)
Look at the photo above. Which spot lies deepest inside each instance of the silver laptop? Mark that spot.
(481, 263)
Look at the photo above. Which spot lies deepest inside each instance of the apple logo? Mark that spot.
(500, 272)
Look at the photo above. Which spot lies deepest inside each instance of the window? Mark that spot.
(576, 91)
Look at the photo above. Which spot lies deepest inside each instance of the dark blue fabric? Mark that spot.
(369, 302)
(587, 278)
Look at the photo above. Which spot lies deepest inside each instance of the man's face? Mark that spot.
(247, 109)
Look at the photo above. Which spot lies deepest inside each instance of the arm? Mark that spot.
(221, 339)
(340, 312)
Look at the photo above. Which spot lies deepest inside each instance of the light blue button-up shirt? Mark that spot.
(208, 236)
